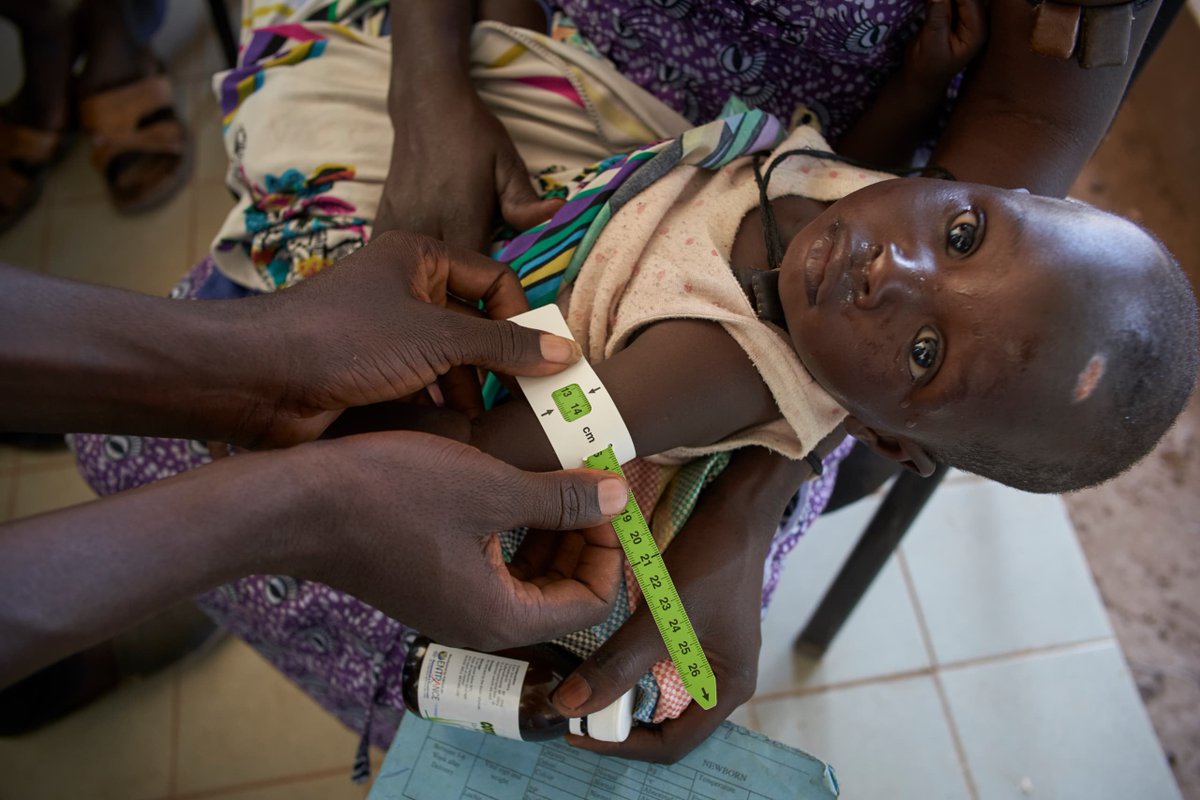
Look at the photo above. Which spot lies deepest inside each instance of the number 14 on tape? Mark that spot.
(659, 594)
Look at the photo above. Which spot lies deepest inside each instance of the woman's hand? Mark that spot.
(452, 171)
(719, 577)
(453, 164)
(952, 35)
(402, 520)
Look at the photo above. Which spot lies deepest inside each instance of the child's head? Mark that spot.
(1040, 342)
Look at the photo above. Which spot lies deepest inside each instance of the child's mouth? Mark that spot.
(816, 262)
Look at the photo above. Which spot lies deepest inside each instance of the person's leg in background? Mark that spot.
(96, 53)
(33, 124)
(139, 143)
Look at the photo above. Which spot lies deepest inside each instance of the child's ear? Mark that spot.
(911, 455)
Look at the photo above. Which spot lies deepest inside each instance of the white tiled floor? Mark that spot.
(980, 664)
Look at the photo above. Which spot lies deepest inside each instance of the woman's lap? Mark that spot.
(347, 655)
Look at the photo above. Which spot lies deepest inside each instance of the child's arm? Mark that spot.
(893, 125)
(679, 383)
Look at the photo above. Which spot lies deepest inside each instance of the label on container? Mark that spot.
(476, 691)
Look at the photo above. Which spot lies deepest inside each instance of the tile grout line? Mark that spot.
(1048, 649)
(944, 702)
(925, 672)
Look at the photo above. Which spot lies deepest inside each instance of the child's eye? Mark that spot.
(964, 233)
(923, 356)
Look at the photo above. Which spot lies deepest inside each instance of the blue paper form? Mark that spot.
(429, 761)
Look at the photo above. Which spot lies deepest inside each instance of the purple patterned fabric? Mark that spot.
(799, 517)
(830, 55)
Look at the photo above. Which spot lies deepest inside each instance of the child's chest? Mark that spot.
(792, 213)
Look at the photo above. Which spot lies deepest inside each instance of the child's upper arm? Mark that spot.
(678, 383)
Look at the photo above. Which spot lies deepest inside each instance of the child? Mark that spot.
(1042, 343)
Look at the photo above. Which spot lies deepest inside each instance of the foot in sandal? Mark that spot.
(139, 144)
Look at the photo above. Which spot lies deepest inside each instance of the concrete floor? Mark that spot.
(1141, 533)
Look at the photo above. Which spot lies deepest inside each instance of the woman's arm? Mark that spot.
(453, 164)
(719, 576)
(1027, 120)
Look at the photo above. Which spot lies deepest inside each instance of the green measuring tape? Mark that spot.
(587, 415)
(659, 593)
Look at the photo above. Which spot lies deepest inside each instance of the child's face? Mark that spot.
(937, 310)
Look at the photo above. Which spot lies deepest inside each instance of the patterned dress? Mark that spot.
(831, 56)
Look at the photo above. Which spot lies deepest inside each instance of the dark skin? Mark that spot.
(392, 518)
(1022, 120)
(939, 312)
(933, 311)
(264, 385)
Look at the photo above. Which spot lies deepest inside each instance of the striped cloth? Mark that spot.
(548, 254)
(554, 251)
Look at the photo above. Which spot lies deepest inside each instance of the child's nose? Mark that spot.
(888, 273)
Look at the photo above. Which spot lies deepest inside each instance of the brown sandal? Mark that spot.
(25, 156)
(139, 144)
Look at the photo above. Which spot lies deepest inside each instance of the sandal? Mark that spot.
(26, 154)
(139, 144)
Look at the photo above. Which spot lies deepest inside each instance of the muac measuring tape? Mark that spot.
(578, 415)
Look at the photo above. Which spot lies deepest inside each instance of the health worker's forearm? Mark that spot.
(74, 577)
(80, 357)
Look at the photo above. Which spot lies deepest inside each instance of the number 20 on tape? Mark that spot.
(659, 593)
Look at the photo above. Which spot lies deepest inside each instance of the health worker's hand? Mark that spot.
(411, 529)
(372, 328)
(719, 578)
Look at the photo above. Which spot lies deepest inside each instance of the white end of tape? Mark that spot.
(575, 410)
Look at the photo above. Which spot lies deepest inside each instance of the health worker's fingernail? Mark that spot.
(613, 496)
(573, 693)
(558, 350)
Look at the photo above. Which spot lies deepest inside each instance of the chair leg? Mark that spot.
(900, 507)
(220, 20)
